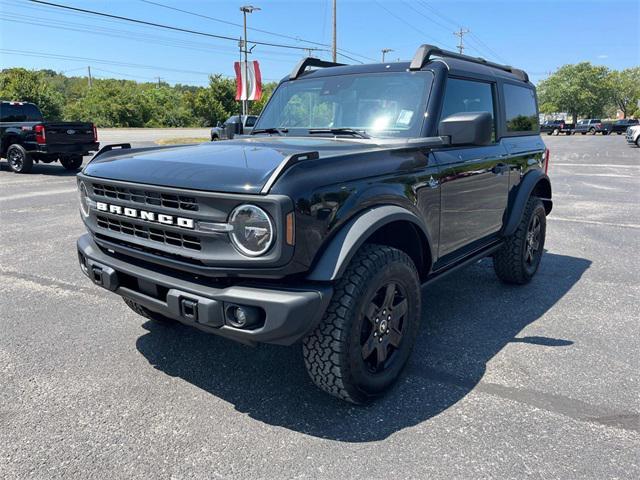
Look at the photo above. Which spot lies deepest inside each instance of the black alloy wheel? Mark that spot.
(19, 159)
(381, 333)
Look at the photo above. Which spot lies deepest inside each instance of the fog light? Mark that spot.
(242, 316)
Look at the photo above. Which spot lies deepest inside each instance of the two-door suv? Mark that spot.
(358, 186)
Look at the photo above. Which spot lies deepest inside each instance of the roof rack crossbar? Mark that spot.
(311, 62)
(425, 52)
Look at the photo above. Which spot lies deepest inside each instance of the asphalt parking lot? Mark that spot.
(541, 381)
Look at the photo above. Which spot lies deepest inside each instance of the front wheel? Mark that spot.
(19, 159)
(518, 259)
(363, 342)
(72, 163)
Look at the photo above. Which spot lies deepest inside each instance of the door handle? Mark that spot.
(500, 168)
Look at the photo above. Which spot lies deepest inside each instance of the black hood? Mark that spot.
(234, 166)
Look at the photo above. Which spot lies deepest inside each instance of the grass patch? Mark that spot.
(182, 140)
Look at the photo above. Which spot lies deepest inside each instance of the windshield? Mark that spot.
(380, 104)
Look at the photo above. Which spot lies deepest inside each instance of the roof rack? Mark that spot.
(311, 62)
(425, 52)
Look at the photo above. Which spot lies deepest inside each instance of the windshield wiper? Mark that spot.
(279, 131)
(339, 131)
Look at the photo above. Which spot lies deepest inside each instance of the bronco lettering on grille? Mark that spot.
(146, 215)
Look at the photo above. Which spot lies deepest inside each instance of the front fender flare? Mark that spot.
(527, 185)
(344, 245)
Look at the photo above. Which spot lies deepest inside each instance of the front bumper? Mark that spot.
(289, 312)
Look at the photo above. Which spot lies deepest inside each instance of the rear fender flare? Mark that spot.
(528, 184)
(343, 246)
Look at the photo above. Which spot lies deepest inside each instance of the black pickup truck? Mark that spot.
(324, 224)
(556, 127)
(26, 138)
(619, 126)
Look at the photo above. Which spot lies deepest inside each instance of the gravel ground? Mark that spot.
(539, 381)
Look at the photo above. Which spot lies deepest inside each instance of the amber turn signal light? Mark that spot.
(290, 229)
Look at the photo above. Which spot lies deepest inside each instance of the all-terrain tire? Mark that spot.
(148, 314)
(334, 351)
(19, 159)
(511, 262)
(72, 163)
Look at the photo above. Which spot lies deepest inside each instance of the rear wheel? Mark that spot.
(518, 259)
(148, 314)
(72, 163)
(360, 347)
(19, 159)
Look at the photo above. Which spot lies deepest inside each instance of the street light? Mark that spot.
(246, 9)
(385, 51)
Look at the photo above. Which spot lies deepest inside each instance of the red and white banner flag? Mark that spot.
(254, 81)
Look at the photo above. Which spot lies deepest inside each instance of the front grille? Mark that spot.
(146, 197)
(150, 233)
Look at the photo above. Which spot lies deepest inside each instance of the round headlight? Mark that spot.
(253, 230)
(84, 199)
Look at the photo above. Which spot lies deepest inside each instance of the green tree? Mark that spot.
(19, 84)
(625, 89)
(580, 89)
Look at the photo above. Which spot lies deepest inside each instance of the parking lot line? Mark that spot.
(582, 165)
(37, 194)
(595, 222)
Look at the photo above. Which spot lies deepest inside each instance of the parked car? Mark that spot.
(27, 138)
(556, 127)
(633, 135)
(620, 126)
(590, 126)
(324, 224)
(234, 125)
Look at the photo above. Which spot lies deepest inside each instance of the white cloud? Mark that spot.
(603, 55)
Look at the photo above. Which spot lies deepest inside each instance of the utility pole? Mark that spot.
(334, 45)
(246, 9)
(159, 80)
(90, 79)
(461, 33)
(385, 51)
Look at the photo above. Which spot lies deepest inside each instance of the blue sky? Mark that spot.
(538, 36)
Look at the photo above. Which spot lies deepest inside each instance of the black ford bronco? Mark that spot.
(358, 186)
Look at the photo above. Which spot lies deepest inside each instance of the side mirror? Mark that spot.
(467, 128)
(219, 124)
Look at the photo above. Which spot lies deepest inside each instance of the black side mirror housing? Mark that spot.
(467, 128)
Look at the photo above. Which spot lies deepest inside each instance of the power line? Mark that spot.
(160, 25)
(226, 22)
(452, 22)
(30, 53)
(421, 32)
(126, 34)
(85, 60)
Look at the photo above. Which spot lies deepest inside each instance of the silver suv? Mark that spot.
(234, 125)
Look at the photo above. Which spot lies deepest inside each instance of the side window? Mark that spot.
(520, 108)
(468, 96)
(251, 121)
